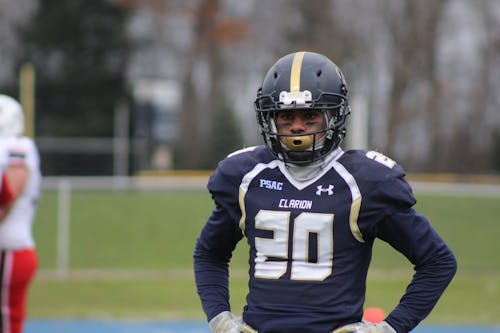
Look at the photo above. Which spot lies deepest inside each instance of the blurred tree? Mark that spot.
(485, 97)
(13, 16)
(496, 151)
(414, 85)
(320, 32)
(428, 69)
(226, 136)
(79, 49)
(197, 107)
(201, 98)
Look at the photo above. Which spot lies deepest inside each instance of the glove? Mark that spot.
(244, 328)
(226, 322)
(366, 327)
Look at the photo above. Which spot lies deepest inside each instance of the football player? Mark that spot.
(310, 213)
(18, 201)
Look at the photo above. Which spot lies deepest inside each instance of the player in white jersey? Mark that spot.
(21, 179)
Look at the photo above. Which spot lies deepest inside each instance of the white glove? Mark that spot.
(366, 327)
(226, 322)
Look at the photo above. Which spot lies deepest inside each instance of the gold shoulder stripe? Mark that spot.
(295, 72)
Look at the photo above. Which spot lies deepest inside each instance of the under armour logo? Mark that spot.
(321, 190)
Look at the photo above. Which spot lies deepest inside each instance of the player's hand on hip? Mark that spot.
(226, 322)
(244, 328)
(366, 327)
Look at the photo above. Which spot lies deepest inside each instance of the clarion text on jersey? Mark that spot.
(298, 204)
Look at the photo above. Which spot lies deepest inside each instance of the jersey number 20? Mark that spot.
(305, 226)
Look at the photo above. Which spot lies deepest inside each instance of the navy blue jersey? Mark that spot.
(311, 241)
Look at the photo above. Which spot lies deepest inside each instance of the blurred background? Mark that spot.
(120, 87)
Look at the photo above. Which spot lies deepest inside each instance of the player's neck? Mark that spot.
(306, 172)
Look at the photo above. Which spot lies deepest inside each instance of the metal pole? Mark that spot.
(27, 97)
(121, 142)
(63, 230)
(357, 134)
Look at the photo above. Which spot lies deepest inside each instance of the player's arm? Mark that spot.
(215, 245)
(212, 253)
(391, 201)
(14, 180)
(435, 265)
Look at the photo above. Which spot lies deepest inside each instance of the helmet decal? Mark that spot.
(295, 73)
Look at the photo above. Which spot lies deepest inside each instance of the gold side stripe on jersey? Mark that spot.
(356, 200)
(295, 73)
(353, 220)
(241, 200)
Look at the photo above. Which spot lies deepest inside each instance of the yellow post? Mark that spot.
(27, 97)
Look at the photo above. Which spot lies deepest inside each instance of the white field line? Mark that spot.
(172, 274)
(187, 274)
(199, 182)
(113, 274)
(458, 189)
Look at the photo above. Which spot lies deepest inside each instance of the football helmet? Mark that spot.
(11, 117)
(303, 81)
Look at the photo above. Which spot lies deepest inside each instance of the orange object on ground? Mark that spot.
(374, 315)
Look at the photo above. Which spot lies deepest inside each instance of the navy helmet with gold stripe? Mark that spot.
(305, 81)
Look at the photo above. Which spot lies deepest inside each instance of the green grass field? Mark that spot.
(131, 257)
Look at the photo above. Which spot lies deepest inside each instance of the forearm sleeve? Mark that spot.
(211, 257)
(211, 276)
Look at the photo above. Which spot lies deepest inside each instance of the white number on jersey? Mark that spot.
(277, 247)
(381, 158)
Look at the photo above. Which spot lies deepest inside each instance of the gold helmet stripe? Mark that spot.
(295, 73)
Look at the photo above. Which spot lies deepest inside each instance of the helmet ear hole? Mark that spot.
(318, 73)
